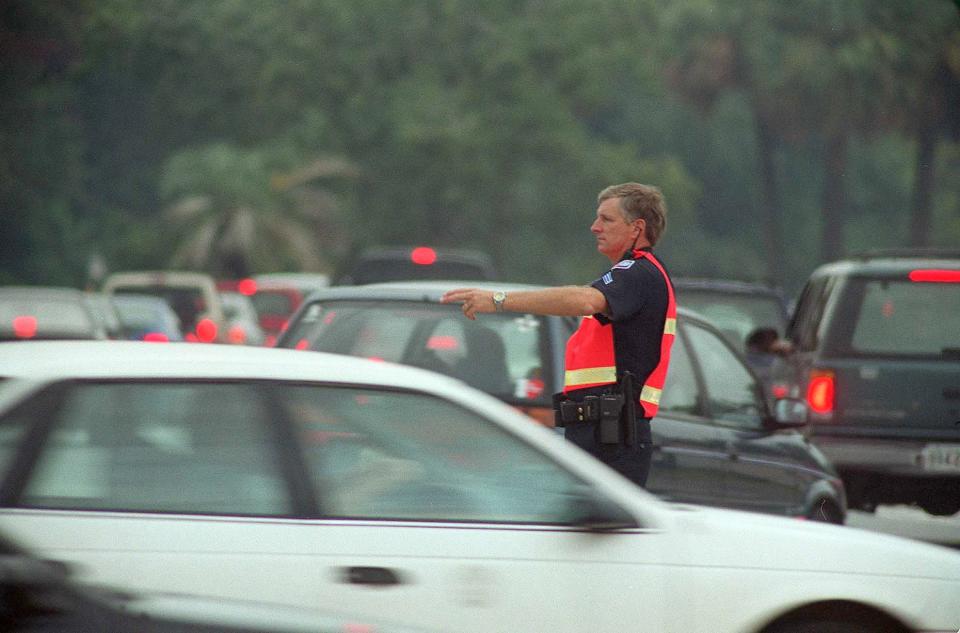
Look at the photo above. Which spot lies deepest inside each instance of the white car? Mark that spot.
(317, 480)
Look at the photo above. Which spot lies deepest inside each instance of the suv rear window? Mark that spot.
(886, 317)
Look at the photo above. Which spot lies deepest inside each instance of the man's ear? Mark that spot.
(642, 225)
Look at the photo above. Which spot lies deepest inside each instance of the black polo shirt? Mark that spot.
(637, 299)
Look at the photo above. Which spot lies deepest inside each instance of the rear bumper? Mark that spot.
(934, 459)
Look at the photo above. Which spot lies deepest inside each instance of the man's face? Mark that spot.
(614, 234)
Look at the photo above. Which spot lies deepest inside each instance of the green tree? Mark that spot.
(236, 216)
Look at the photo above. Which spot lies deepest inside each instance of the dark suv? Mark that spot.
(877, 344)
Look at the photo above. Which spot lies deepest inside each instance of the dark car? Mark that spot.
(716, 440)
(737, 308)
(753, 316)
(877, 342)
(517, 358)
(420, 262)
(146, 318)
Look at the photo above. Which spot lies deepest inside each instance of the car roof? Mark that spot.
(431, 291)
(135, 359)
(425, 290)
(43, 292)
(892, 263)
(725, 285)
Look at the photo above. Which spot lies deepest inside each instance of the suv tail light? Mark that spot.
(821, 390)
(423, 255)
(934, 275)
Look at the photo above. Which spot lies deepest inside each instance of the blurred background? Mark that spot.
(237, 137)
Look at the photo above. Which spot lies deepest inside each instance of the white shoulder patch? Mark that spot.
(624, 264)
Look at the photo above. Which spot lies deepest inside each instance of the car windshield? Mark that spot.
(736, 315)
(503, 355)
(900, 318)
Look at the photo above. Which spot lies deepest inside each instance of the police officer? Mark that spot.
(628, 326)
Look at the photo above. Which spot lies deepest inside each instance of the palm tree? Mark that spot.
(235, 216)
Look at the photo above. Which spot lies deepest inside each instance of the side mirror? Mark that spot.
(595, 512)
(790, 412)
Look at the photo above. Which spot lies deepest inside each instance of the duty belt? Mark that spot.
(590, 409)
(615, 412)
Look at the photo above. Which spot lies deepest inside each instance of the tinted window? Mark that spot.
(266, 302)
(899, 318)
(732, 391)
(192, 448)
(504, 355)
(681, 391)
(187, 303)
(806, 321)
(411, 456)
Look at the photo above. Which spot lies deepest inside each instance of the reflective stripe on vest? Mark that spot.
(591, 359)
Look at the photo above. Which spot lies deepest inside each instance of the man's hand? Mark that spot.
(474, 300)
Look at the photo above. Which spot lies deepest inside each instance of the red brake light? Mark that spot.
(25, 326)
(935, 276)
(156, 337)
(247, 287)
(237, 335)
(206, 331)
(442, 342)
(302, 344)
(821, 391)
(423, 255)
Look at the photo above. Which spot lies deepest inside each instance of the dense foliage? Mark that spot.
(238, 137)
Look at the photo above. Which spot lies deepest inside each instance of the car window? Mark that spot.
(186, 448)
(732, 391)
(266, 302)
(681, 393)
(900, 318)
(188, 303)
(735, 315)
(412, 456)
(505, 355)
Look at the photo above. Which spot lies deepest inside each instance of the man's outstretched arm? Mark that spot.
(559, 301)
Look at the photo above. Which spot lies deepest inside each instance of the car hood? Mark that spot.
(779, 543)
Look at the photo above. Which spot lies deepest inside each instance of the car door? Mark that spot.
(690, 460)
(761, 474)
(376, 502)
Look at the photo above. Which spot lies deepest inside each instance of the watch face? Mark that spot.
(499, 296)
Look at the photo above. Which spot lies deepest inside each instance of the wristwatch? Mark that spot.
(498, 298)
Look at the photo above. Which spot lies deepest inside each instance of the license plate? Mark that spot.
(941, 457)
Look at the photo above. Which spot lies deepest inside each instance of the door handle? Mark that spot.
(376, 576)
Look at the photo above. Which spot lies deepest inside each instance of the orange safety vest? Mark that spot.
(591, 360)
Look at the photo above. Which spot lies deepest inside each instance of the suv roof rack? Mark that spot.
(908, 252)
